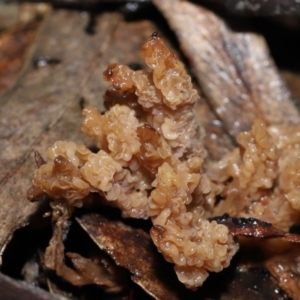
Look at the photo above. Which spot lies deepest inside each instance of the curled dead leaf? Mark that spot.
(132, 249)
(252, 227)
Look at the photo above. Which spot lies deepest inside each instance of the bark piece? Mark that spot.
(132, 249)
(234, 70)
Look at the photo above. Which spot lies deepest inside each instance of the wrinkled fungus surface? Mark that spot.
(151, 164)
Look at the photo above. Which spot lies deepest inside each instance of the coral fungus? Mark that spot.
(150, 165)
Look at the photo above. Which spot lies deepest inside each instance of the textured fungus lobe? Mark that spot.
(149, 164)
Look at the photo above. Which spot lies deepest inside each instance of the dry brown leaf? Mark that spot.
(235, 70)
(9, 14)
(14, 46)
(31, 112)
(132, 249)
(17, 42)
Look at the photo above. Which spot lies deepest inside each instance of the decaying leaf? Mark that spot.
(252, 227)
(35, 106)
(132, 249)
(17, 41)
(235, 70)
(8, 15)
(14, 46)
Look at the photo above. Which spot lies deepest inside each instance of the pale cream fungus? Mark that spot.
(150, 165)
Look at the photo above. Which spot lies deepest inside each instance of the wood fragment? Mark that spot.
(235, 70)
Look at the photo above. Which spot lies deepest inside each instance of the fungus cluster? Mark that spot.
(151, 164)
